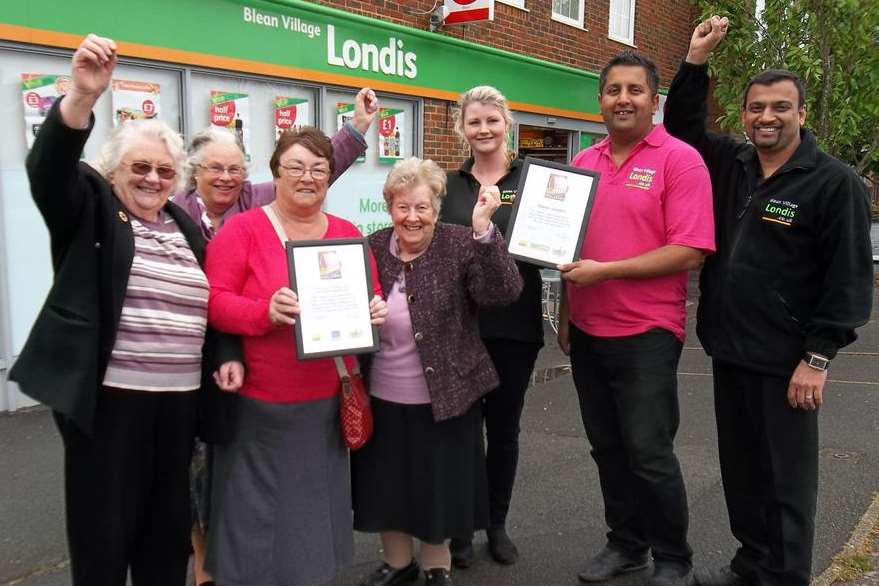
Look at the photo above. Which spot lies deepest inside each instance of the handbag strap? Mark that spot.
(276, 224)
(342, 368)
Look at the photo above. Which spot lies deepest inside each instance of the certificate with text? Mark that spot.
(333, 281)
(551, 213)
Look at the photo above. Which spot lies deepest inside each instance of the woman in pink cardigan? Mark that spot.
(217, 189)
(281, 506)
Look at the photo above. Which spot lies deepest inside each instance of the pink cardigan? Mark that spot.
(245, 266)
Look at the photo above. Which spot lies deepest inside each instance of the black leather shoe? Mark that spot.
(501, 547)
(385, 575)
(724, 576)
(610, 562)
(462, 552)
(670, 575)
(437, 577)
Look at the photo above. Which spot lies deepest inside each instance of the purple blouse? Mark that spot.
(397, 374)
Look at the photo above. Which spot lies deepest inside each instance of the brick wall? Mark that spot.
(662, 32)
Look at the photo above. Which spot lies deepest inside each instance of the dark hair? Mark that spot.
(631, 58)
(309, 137)
(771, 76)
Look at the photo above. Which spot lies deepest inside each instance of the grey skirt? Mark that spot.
(281, 504)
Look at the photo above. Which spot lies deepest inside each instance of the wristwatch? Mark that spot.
(816, 361)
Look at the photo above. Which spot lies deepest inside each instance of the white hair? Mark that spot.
(210, 135)
(131, 131)
(408, 173)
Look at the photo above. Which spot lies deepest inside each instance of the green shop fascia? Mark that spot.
(300, 40)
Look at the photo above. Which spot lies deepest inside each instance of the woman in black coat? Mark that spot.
(120, 351)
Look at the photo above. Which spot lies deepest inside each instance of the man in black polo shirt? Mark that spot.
(790, 282)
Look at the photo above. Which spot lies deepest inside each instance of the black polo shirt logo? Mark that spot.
(779, 212)
(508, 197)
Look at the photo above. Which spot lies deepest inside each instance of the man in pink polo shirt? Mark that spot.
(623, 318)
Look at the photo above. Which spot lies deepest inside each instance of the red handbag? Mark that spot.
(355, 413)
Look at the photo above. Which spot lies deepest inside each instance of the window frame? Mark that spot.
(626, 41)
(520, 4)
(569, 21)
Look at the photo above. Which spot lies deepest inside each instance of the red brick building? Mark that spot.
(661, 30)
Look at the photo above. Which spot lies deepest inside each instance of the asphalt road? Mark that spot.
(556, 517)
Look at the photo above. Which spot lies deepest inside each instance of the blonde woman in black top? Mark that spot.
(512, 334)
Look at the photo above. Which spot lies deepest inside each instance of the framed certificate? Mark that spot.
(333, 281)
(551, 212)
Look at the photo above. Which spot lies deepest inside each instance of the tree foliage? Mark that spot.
(832, 44)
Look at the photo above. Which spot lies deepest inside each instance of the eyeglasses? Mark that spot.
(294, 171)
(143, 168)
(216, 169)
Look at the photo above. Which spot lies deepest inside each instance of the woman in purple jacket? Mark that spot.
(422, 475)
(217, 189)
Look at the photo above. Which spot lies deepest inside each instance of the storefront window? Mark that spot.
(247, 106)
(357, 195)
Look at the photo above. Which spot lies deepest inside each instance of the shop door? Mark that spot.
(549, 144)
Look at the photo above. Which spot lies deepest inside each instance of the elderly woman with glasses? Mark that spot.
(121, 350)
(217, 189)
(422, 476)
(281, 504)
(217, 185)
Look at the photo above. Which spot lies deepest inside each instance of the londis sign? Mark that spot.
(389, 58)
(306, 41)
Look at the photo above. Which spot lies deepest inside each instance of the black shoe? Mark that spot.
(462, 552)
(385, 575)
(724, 576)
(610, 562)
(671, 575)
(437, 577)
(501, 547)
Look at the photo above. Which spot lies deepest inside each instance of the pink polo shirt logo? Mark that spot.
(641, 177)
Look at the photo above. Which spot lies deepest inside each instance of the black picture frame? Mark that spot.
(295, 283)
(527, 167)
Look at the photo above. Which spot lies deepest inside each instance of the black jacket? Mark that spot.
(521, 321)
(65, 356)
(793, 269)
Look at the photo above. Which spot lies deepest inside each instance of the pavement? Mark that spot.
(556, 517)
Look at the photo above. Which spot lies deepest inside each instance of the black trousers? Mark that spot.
(502, 410)
(629, 404)
(127, 489)
(769, 466)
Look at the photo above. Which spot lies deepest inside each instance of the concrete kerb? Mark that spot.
(858, 540)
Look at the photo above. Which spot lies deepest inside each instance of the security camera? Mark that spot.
(438, 17)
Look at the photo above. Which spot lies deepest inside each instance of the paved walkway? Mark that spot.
(556, 517)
